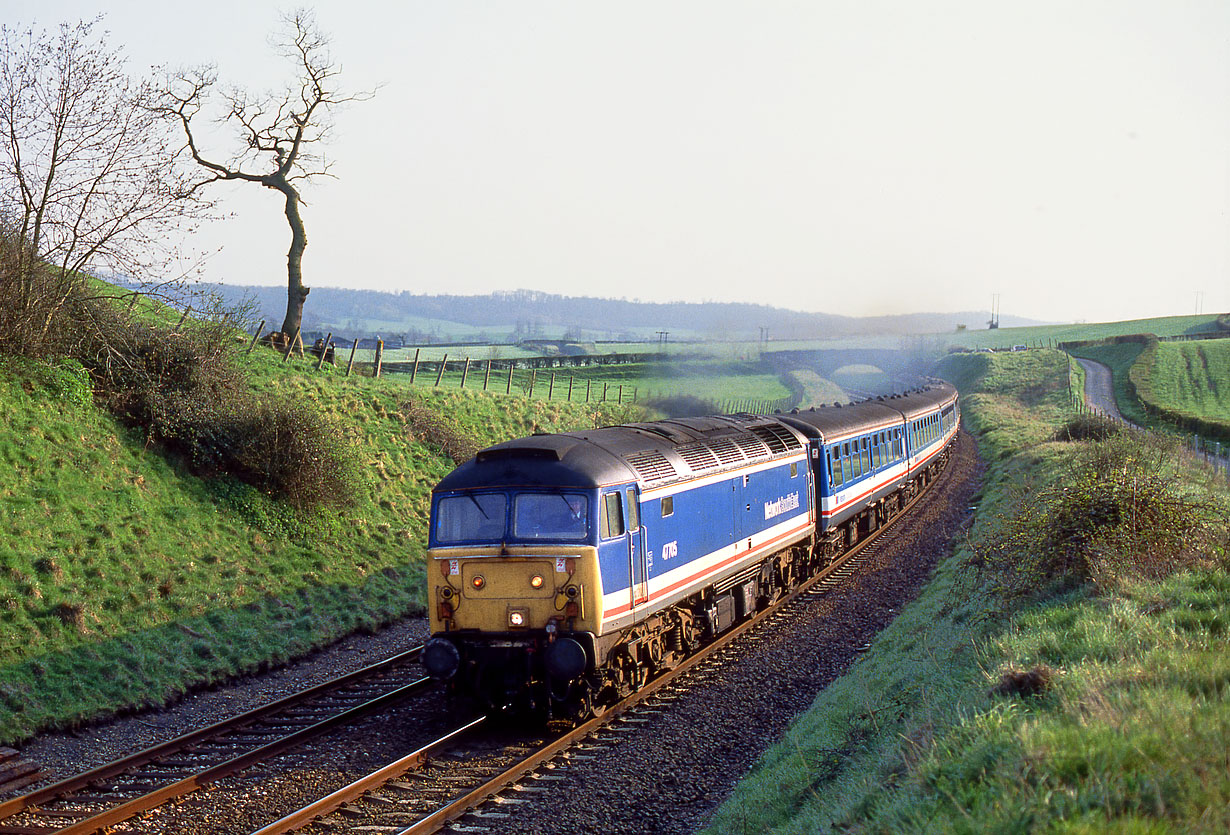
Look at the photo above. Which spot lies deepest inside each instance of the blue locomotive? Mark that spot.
(564, 570)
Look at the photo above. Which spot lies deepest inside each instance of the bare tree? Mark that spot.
(279, 136)
(90, 176)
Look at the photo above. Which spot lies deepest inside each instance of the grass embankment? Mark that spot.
(1171, 385)
(1065, 670)
(125, 580)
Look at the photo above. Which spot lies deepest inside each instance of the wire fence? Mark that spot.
(531, 377)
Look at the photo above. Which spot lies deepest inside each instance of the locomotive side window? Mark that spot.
(612, 516)
(634, 512)
(551, 516)
(668, 506)
(794, 469)
(477, 516)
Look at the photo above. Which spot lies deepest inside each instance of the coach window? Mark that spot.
(668, 506)
(866, 445)
(877, 450)
(612, 516)
(847, 470)
(835, 479)
(856, 460)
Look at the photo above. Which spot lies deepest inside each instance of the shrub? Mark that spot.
(429, 425)
(1113, 514)
(1089, 428)
(181, 383)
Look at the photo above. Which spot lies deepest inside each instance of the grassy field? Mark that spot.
(1011, 697)
(125, 580)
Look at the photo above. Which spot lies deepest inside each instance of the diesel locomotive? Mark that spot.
(566, 569)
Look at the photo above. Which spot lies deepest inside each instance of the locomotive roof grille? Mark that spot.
(776, 438)
(727, 451)
(652, 466)
(698, 456)
(753, 448)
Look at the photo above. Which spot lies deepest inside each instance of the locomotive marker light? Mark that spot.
(478, 582)
(536, 582)
(518, 618)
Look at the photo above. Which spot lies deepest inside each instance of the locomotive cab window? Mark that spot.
(472, 517)
(612, 516)
(551, 516)
(634, 512)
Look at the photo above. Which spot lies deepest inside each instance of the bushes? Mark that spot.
(1089, 428)
(1112, 514)
(180, 384)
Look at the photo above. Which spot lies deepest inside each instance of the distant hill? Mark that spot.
(517, 314)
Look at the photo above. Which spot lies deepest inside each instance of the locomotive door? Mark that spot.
(636, 551)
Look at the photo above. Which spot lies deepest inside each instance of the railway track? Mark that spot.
(463, 780)
(121, 790)
(489, 781)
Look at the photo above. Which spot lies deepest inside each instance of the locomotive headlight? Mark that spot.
(478, 582)
(516, 619)
(536, 582)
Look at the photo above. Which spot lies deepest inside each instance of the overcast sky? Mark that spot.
(854, 157)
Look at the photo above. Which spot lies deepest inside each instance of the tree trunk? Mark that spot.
(296, 293)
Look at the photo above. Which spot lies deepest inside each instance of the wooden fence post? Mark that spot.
(443, 365)
(324, 349)
(255, 336)
(588, 383)
(414, 369)
(604, 388)
(465, 372)
(511, 366)
(621, 394)
(290, 346)
(487, 375)
(350, 364)
(533, 378)
(571, 380)
(551, 388)
(379, 361)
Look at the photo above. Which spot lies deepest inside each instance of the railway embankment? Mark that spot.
(132, 572)
(1067, 667)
